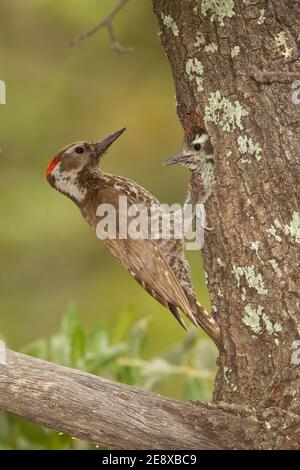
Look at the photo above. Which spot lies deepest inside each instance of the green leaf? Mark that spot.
(74, 334)
(108, 357)
(195, 389)
(123, 323)
(37, 349)
(137, 337)
(97, 341)
(59, 350)
(180, 353)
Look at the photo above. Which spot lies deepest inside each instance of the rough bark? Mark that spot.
(254, 208)
(116, 415)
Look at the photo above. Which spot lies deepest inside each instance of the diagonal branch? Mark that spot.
(269, 76)
(116, 415)
(107, 23)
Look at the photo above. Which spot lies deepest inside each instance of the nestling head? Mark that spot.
(197, 149)
(64, 169)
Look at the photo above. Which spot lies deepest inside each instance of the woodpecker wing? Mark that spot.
(145, 262)
(173, 248)
(142, 258)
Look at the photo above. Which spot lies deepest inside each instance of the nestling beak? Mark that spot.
(104, 144)
(179, 158)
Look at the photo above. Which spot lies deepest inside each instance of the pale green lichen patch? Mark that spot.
(277, 327)
(235, 51)
(254, 247)
(246, 146)
(253, 280)
(257, 318)
(170, 23)
(219, 9)
(277, 223)
(252, 318)
(243, 294)
(262, 17)
(275, 267)
(212, 48)
(293, 228)
(199, 41)
(223, 112)
(268, 323)
(194, 70)
(208, 177)
(272, 230)
(219, 293)
(281, 40)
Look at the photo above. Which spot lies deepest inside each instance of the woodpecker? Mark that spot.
(158, 265)
(198, 156)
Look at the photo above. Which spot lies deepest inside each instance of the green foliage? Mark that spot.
(120, 355)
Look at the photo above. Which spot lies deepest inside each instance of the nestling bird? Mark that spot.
(158, 265)
(198, 156)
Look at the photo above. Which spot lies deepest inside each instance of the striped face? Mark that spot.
(197, 144)
(197, 150)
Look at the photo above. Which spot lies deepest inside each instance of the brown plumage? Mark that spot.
(158, 265)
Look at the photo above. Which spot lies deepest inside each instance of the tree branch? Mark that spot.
(117, 415)
(107, 23)
(268, 76)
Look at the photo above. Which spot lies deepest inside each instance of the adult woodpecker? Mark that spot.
(158, 265)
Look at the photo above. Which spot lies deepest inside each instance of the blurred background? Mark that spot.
(50, 258)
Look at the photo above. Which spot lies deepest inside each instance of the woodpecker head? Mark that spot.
(64, 170)
(197, 150)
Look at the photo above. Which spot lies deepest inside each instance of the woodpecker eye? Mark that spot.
(79, 150)
(197, 147)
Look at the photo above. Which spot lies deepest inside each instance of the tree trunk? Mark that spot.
(218, 51)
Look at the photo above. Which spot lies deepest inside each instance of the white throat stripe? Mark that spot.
(200, 139)
(67, 184)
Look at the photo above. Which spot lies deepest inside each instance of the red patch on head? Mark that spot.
(52, 165)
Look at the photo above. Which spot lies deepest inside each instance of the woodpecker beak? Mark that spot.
(104, 144)
(177, 159)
